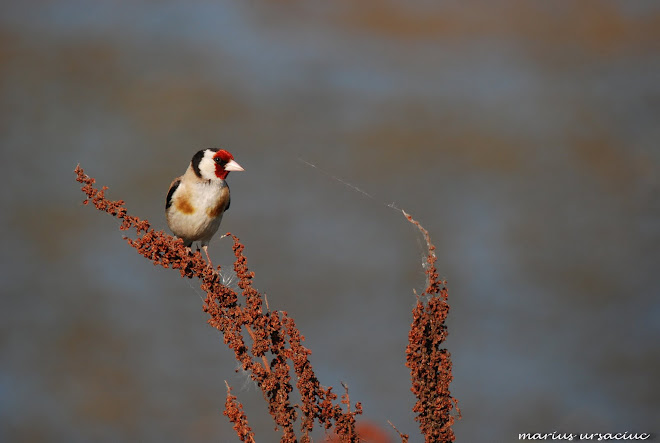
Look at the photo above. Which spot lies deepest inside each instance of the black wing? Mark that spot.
(175, 184)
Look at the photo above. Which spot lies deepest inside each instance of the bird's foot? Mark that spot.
(208, 258)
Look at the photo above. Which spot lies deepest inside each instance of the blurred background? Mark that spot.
(523, 135)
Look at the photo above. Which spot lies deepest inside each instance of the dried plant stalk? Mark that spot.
(430, 365)
(234, 411)
(265, 342)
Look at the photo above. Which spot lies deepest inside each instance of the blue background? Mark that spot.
(523, 135)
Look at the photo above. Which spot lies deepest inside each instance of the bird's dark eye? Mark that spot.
(220, 161)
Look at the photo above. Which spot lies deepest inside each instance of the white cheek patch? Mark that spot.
(207, 166)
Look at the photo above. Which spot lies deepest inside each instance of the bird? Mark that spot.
(198, 199)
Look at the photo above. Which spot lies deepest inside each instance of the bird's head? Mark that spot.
(214, 164)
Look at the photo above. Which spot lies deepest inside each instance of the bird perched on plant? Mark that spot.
(197, 200)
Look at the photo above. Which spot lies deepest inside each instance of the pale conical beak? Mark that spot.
(233, 166)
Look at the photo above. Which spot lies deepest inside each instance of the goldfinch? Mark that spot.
(197, 200)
